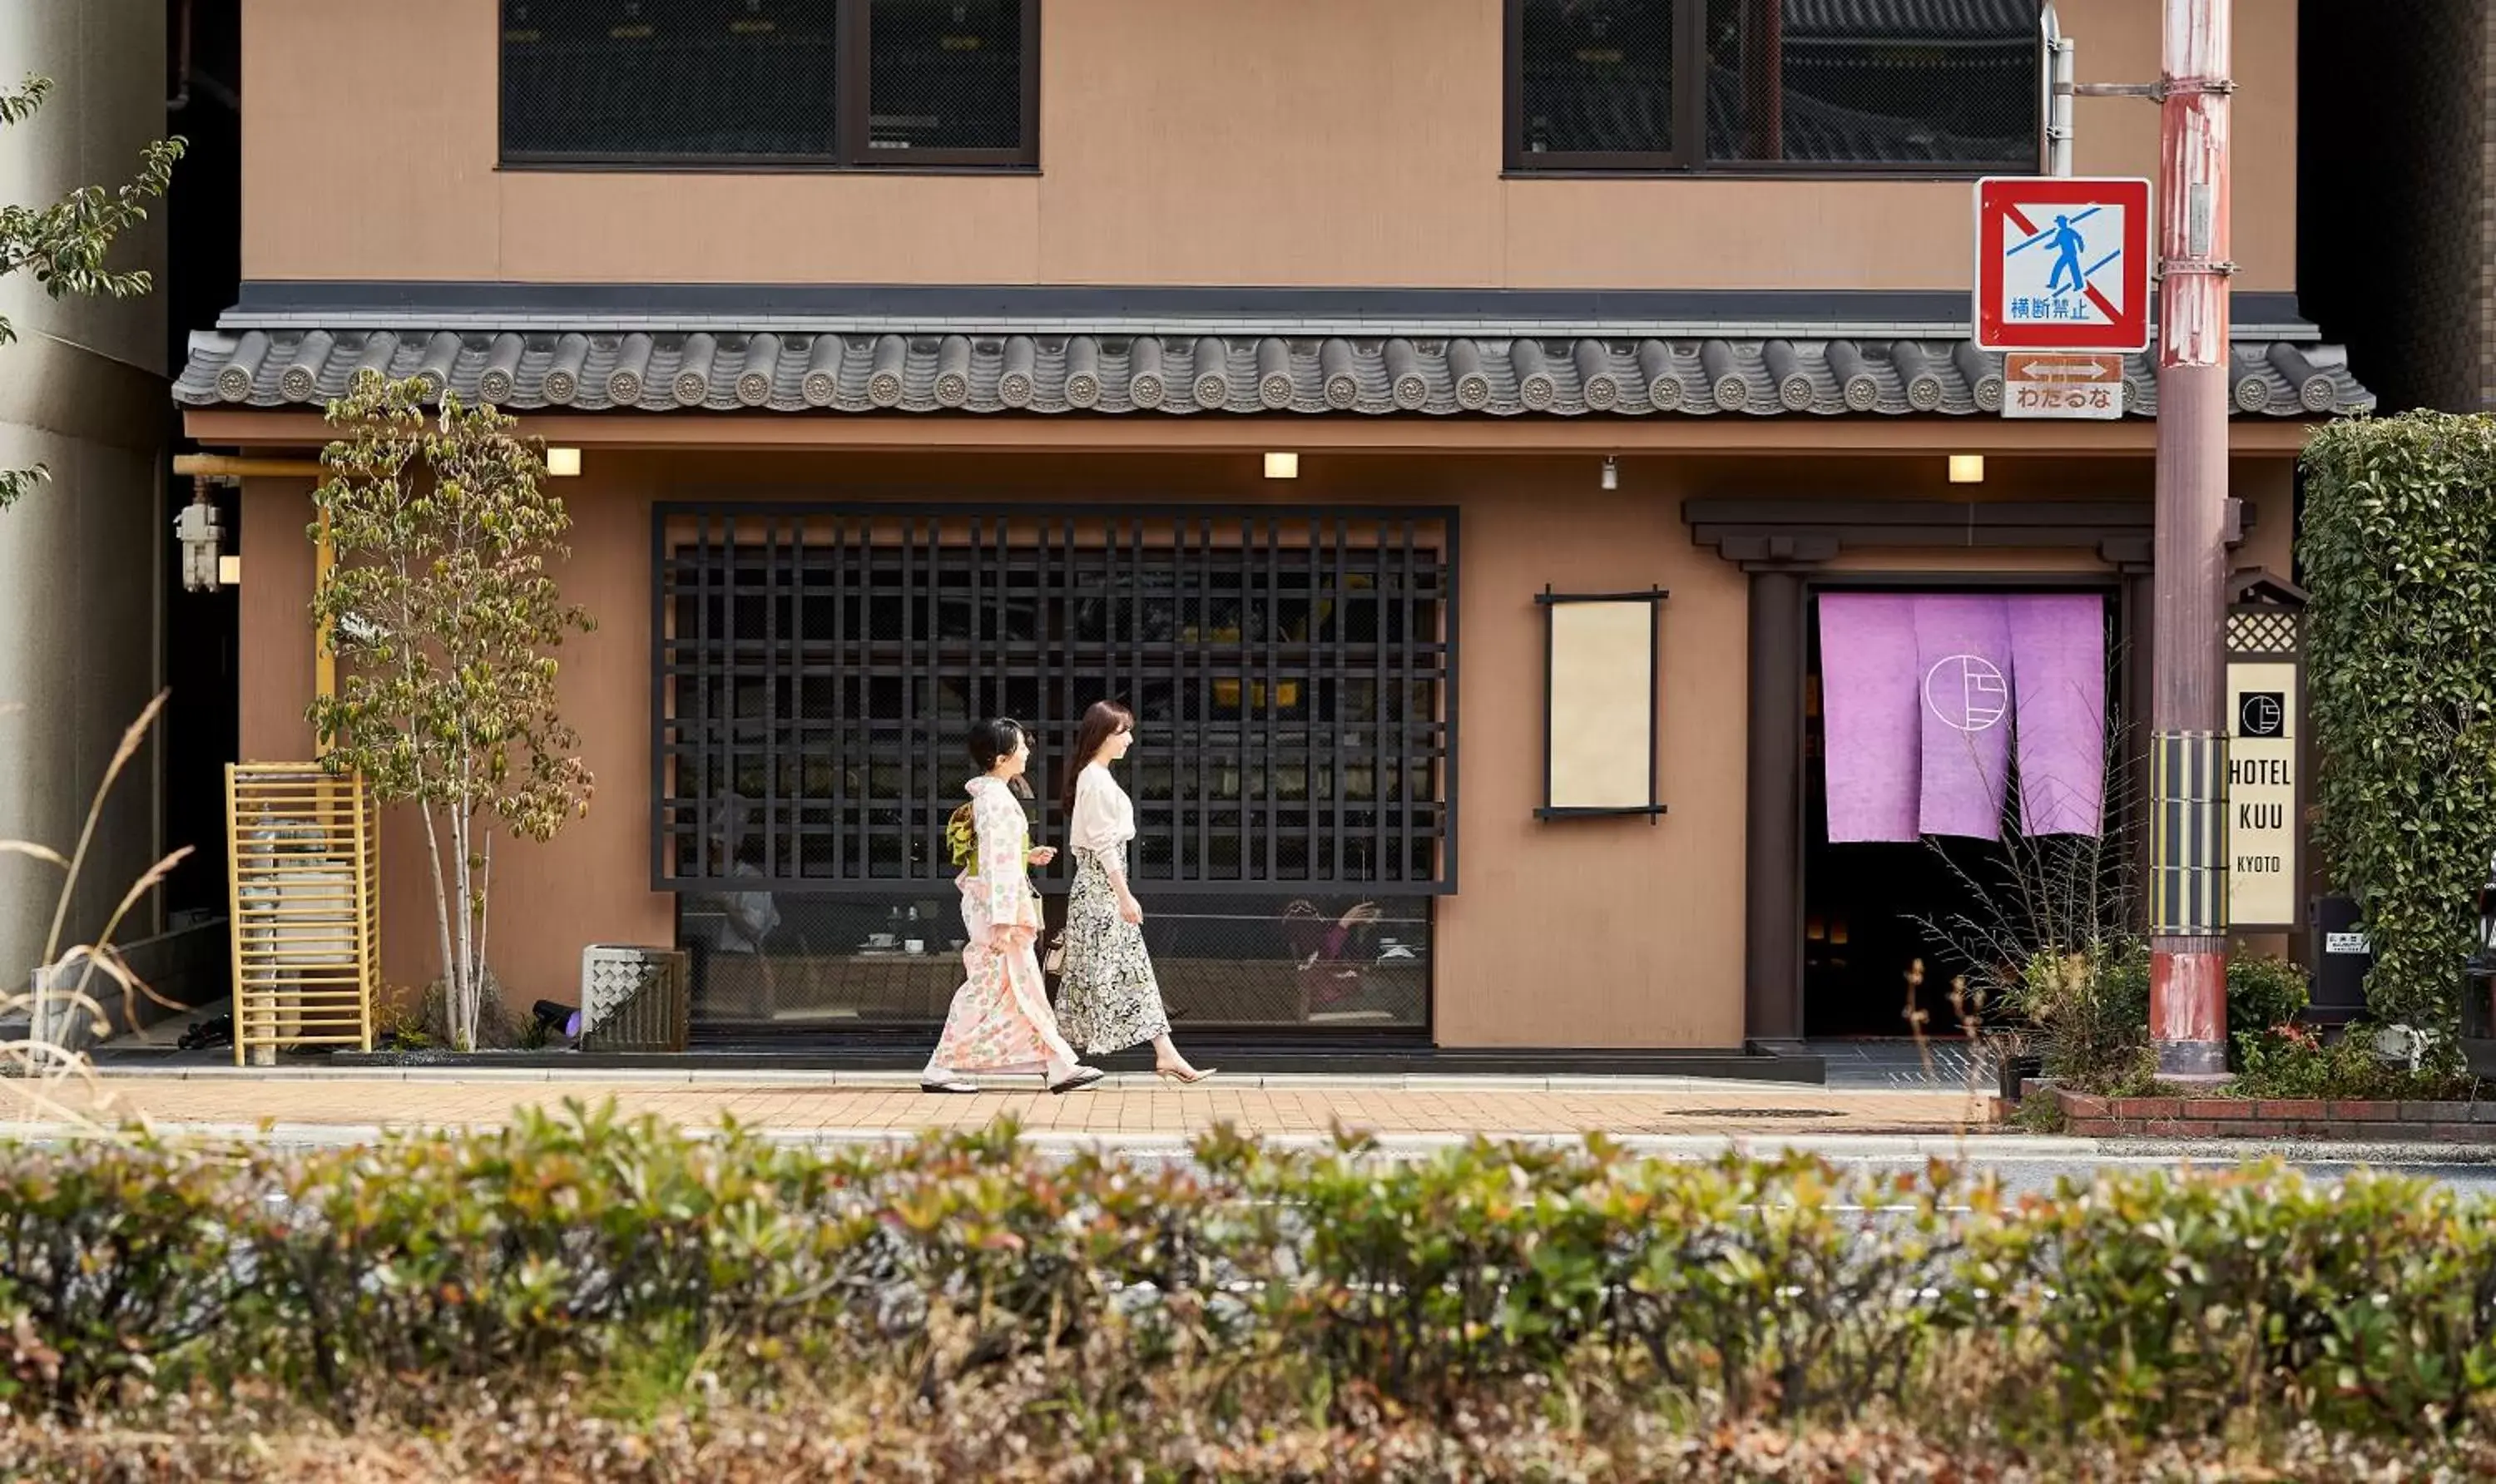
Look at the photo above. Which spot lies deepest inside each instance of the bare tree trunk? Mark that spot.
(485, 906)
(472, 909)
(440, 914)
(463, 985)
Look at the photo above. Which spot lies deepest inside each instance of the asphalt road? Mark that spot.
(2040, 1173)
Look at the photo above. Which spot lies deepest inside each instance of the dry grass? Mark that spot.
(40, 1079)
(1021, 1434)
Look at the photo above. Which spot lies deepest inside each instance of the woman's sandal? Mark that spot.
(1185, 1078)
(1082, 1078)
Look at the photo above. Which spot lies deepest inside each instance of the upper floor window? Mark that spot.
(1925, 86)
(728, 83)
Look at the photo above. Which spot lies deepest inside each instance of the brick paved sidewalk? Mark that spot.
(1127, 1107)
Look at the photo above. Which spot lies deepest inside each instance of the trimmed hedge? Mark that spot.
(383, 1277)
(2398, 544)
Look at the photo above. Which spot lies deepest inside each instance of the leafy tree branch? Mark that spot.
(63, 245)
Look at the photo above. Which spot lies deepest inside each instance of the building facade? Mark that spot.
(930, 361)
(82, 392)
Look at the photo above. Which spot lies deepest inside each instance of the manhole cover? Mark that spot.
(1755, 1113)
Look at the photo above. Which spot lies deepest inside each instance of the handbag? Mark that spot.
(1055, 961)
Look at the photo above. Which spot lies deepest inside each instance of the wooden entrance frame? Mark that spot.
(1785, 546)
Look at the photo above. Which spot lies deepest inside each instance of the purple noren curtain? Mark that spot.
(1927, 698)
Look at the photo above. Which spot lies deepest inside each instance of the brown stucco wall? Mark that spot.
(275, 665)
(1203, 142)
(1649, 917)
(591, 884)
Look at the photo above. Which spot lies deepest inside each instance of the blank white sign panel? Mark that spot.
(1603, 704)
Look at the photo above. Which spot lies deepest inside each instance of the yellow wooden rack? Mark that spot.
(306, 915)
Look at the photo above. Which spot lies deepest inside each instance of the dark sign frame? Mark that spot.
(1654, 809)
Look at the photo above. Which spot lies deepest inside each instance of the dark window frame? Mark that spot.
(1439, 659)
(1689, 154)
(853, 152)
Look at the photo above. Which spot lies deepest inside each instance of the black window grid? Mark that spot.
(769, 84)
(1919, 89)
(815, 669)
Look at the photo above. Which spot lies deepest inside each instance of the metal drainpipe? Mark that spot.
(2060, 71)
(182, 98)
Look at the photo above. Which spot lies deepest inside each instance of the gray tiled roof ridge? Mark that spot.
(919, 369)
(1421, 312)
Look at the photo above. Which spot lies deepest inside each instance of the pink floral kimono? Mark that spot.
(999, 1020)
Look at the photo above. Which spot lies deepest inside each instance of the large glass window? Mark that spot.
(945, 76)
(1597, 80)
(1946, 86)
(708, 84)
(784, 964)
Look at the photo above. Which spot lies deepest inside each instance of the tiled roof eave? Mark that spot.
(1446, 372)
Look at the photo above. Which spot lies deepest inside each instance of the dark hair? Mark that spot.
(1104, 720)
(994, 739)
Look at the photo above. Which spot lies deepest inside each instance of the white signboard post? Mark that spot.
(2262, 827)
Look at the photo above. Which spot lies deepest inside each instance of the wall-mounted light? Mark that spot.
(1967, 469)
(563, 463)
(199, 530)
(1611, 472)
(230, 572)
(1282, 466)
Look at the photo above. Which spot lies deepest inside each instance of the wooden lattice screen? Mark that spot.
(306, 913)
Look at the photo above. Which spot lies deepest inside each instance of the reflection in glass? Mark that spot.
(1250, 962)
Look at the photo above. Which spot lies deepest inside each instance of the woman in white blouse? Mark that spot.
(1109, 999)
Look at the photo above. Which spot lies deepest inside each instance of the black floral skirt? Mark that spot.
(1107, 999)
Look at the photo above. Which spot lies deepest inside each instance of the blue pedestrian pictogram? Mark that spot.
(2069, 292)
(2068, 245)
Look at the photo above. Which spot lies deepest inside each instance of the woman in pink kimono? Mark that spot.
(1000, 1021)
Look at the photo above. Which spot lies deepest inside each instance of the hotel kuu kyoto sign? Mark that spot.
(2062, 263)
(2263, 704)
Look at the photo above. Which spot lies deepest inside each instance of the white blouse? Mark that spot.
(1105, 818)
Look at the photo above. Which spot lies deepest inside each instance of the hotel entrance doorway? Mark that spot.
(1920, 869)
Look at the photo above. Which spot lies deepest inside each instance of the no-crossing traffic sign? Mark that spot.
(2062, 263)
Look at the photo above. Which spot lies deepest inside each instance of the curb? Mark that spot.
(1978, 1150)
(908, 1080)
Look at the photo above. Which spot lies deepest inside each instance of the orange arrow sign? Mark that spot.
(2061, 366)
(2061, 383)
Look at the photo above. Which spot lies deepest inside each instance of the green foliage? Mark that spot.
(2263, 993)
(2399, 548)
(63, 245)
(444, 620)
(115, 1256)
(2294, 1061)
(650, 1269)
(2092, 1007)
(2178, 1301)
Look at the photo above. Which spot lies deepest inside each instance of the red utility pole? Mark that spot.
(2188, 987)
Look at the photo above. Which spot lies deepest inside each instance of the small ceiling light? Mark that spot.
(1611, 472)
(1282, 466)
(1967, 468)
(563, 463)
(229, 571)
